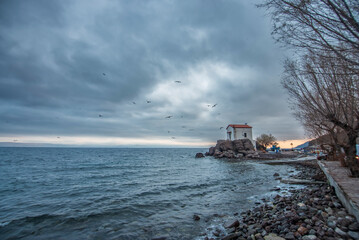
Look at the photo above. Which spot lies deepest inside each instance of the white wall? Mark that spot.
(238, 133)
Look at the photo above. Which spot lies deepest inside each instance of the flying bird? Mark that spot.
(134, 102)
(148, 101)
(214, 105)
(173, 138)
(100, 115)
(220, 128)
(177, 81)
(168, 131)
(104, 74)
(168, 117)
(58, 137)
(208, 105)
(15, 140)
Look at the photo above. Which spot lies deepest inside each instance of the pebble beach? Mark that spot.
(310, 213)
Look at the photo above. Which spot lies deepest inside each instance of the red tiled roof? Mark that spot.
(238, 126)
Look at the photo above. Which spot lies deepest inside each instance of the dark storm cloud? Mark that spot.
(64, 63)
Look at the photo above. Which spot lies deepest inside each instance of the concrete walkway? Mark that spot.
(346, 188)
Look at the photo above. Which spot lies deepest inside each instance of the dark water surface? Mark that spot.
(73, 193)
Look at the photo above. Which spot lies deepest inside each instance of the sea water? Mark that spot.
(92, 193)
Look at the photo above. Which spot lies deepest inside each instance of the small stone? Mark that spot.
(302, 230)
(273, 236)
(231, 236)
(324, 214)
(312, 232)
(354, 235)
(276, 174)
(341, 213)
(196, 217)
(340, 232)
(309, 237)
(234, 224)
(289, 236)
(329, 210)
(354, 227)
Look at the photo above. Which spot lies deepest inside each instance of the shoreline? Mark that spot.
(313, 212)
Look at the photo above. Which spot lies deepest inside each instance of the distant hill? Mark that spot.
(304, 145)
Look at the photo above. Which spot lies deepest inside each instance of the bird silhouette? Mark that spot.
(168, 131)
(104, 74)
(100, 115)
(168, 117)
(208, 105)
(148, 101)
(58, 137)
(173, 138)
(134, 102)
(177, 81)
(214, 105)
(220, 128)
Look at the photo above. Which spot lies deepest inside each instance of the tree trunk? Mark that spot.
(350, 152)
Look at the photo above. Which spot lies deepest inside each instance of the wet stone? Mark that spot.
(354, 227)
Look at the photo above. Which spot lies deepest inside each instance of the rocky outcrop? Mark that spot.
(233, 149)
(199, 155)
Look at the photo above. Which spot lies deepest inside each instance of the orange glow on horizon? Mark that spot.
(296, 142)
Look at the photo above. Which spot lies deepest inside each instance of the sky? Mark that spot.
(139, 73)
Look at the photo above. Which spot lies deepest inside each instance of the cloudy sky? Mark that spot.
(109, 72)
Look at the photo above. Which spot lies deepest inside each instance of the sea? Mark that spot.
(119, 193)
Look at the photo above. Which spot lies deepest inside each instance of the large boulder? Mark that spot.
(238, 145)
(248, 145)
(211, 151)
(224, 146)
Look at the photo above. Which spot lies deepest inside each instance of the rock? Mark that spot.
(289, 236)
(273, 236)
(324, 215)
(225, 146)
(238, 145)
(302, 230)
(309, 237)
(302, 206)
(234, 224)
(276, 174)
(159, 238)
(354, 235)
(211, 151)
(354, 227)
(248, 145)
(196, 217)
(199, 155)
(231, 236)
(329, 210)
(340, 232)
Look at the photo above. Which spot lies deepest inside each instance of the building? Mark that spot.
(238, 131)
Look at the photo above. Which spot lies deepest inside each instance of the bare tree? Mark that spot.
(319, 26)
(324, 89)
(266, 140)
